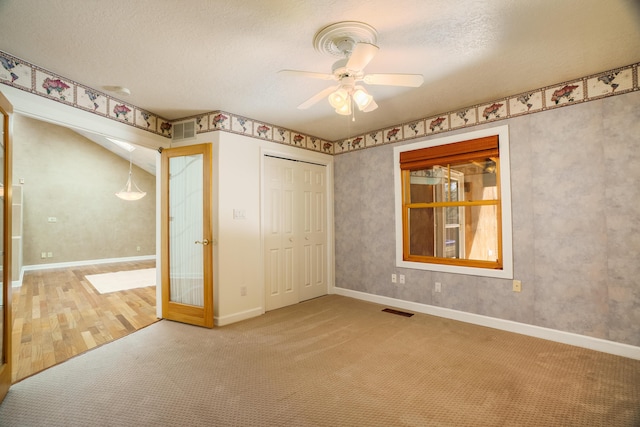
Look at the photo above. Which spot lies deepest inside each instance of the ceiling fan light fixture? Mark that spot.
(362, 98)
(372, 106)
(345, 109)
(355, 43)
(339, 98)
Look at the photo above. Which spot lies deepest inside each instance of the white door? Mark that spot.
(295, 235)
(314, 231)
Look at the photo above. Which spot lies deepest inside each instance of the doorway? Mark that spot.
(71, 217)
(58, 314)
(295, 231)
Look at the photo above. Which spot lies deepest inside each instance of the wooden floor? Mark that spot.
(57, 314)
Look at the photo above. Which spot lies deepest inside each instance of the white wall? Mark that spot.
(237, 172)
(238, 166)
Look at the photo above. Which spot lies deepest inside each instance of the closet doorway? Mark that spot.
(295, 231)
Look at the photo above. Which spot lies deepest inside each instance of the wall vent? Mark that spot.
(184, 130)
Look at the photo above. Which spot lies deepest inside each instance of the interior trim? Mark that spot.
(18, 283)
(591, 343)
(237, 317)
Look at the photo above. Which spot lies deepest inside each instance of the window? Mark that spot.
(453, 204)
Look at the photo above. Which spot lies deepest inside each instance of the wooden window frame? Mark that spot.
(487, 143)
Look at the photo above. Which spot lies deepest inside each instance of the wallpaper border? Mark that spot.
(21, 74)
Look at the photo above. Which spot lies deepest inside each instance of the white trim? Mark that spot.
(597, 344)
(159, 234)
(505, 189)
(237, 317)
(84, 262)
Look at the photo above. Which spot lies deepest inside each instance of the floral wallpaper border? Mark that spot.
(609, 83)
(31, 78)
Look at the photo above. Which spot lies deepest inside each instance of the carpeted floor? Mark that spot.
(332, 361)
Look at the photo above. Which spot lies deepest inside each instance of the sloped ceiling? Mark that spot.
(181, 58)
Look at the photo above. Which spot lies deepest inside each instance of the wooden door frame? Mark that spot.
(171, 310)
(7, 321)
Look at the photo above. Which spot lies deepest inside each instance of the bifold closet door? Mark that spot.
(295, 232)
(314, 231)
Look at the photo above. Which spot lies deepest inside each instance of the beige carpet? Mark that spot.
(332, 361)
(122, 280)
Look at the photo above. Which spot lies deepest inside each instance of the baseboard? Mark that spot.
(18, 283)
(237, 317)
(598, 344)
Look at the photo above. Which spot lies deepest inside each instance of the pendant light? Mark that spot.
(128, 192)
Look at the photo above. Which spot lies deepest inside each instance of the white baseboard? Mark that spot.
(237, 317)
(18, 283)
(605, 346)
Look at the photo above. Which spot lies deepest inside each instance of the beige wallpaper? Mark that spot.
(576, 221)
(72, 179)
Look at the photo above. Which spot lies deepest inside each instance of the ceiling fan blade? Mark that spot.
(361, 55)
(317, 97)
(321, 76)
(409, 80)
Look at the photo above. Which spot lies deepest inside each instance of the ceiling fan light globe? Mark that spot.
(362, 99)
(344, 110)
(372, 106)
(338, 98)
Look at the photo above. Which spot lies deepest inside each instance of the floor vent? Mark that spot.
(398, 312)
(184, 130)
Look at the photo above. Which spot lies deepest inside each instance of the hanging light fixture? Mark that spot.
(130, 191)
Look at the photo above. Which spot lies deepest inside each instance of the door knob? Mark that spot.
(205, 242)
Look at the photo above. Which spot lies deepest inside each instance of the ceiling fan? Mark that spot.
(355, 43)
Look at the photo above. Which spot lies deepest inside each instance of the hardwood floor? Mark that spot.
(57, 314)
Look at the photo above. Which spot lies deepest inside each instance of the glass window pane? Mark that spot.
(185, 228)
(474, 237)
(455, 182)
(482, 233)
(421, 231)
(452, 243)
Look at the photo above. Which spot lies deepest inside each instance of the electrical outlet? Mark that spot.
(402, 279)
(394, 278)
(438, 287)
(43, 255)
(49, 254)
(517, 285)
(138, 248)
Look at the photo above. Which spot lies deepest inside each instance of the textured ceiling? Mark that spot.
(181, 58)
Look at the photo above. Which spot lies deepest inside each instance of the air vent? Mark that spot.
(398, 312)
(184, 130)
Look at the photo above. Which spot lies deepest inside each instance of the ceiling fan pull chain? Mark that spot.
(353, 110)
